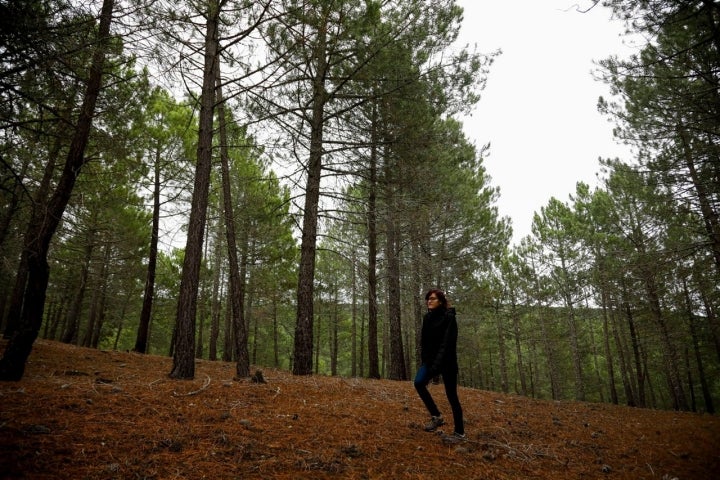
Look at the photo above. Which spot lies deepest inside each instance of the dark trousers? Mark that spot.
(423, 378)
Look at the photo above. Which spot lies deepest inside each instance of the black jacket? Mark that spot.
(439, 341)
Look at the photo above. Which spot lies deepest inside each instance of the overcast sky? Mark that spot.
(539, 109)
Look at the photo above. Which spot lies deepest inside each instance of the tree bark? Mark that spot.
(97, 312)
(502, 349)
(637, 354)
(373, 357)
(303, 348)
(710, 216)
(237, 284)
(184, 344)
(73, 326)
(518, 347)
(622, 354)
(396, 370)
(707, 395)
(141, 341)
(606, 345)
(216, 304)
(333, 328)
(670, 358)
(12, 365)
(39, 211)
(353, 316)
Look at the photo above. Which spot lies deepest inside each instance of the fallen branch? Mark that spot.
(194, 392)
(154, 382)
(525, 454)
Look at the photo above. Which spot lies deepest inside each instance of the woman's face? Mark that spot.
(432, 302)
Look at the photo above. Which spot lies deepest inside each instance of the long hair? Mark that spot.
(440, 296)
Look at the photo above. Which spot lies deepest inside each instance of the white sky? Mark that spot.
(538, 110)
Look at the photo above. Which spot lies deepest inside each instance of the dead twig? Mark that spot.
(155, 382)
(194, 392)
(525, 453)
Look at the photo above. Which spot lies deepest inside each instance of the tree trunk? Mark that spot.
(237, 285)
(141, 341)
(576, 354)
(229, 341)
(353, 317)
(361, 366)
(709, 214)
(99, 319)
(373, 359)
(38, 213)
(707, 395)
(12, 206)
(276, 332)
(416, 288)
(670, 358)
(73, 325)
(12, 365)
(94, 318)
(565, 287)
(712, 321)
(518, 348)
(396, 370)
(502, 349)
(637, 355)
(333, 337)
(548, 348)
(622, 355)
(253, 321)
(5, 222)
(303, 349)
(184, 345)
(606, 341)
(216, 304)
(318, 340)
(202, 310)
(56, 317)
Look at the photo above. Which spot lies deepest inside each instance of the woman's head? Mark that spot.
(435, 298)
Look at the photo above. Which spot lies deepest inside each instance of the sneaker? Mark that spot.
(454, 438)
(434, 423)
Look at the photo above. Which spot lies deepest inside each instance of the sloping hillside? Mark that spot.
(88, 414)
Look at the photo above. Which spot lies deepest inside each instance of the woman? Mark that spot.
(439, 357)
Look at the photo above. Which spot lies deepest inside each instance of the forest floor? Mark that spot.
(81, 413)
